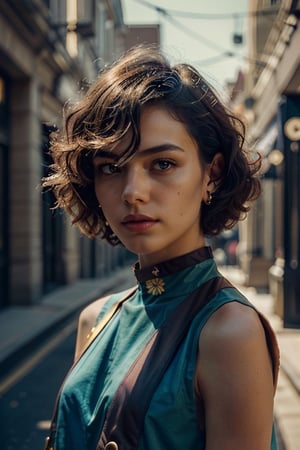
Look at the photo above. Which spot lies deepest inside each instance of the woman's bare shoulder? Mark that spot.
(232, 341)
(89, 314)
(234, 377)
(233, 320)
(87, 320)
(88, 317)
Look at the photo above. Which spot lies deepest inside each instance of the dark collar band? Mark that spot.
(172, 265)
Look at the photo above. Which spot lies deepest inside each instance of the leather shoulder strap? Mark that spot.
(125, 417)
(90, 338)
(105, 319)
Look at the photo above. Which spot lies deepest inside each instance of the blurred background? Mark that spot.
(50, 51)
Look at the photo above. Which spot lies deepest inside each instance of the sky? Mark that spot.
(201, 39)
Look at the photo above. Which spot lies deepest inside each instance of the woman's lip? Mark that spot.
(137, 218)
(138, 222)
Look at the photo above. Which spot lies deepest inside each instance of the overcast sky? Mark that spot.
(201, 39)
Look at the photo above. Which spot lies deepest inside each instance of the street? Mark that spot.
(28, 392)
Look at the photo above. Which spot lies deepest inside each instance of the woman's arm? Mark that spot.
(234, 377)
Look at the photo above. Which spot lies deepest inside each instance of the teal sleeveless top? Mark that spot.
(171, 421)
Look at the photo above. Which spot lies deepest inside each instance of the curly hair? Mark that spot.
(112, 107)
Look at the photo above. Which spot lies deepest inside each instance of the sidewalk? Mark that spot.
(21, 327)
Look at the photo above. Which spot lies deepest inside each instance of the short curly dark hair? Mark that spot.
(112, 107)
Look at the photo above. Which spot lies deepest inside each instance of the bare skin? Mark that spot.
(152, 203)
(87, 320)
(164, 182)
(234, 376)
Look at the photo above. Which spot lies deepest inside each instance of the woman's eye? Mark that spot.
(163, 164)
(107, 169)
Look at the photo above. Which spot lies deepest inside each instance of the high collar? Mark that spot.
(172, 266)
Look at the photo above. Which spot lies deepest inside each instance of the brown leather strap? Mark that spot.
(105, 319)
(92, 336)
(125, 417)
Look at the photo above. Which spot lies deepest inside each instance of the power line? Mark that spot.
(225, 53)
(197, 36)
(220, 57)
(208, 16)
(213, 59)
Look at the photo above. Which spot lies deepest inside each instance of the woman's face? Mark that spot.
(153, 202)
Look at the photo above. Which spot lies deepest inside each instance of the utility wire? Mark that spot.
(198, 37)
(208, 16)
(220, 57)
(212, 60)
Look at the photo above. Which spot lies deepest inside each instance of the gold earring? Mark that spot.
(209, 199)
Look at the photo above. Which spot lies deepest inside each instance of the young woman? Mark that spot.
(152, 160)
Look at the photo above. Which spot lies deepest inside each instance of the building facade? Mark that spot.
(49, 53)
(270, 237)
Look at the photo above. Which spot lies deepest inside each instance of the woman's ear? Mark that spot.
(216, 170)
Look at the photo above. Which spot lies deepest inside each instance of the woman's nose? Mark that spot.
(136, 187)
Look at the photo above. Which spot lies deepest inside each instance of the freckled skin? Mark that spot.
(167, 187)
(140, 187)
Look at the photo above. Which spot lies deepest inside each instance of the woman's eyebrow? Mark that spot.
(148, 151)
(161, 148)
